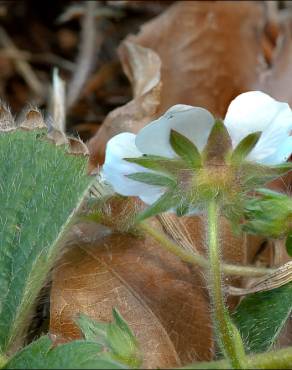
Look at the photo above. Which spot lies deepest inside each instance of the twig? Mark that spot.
(21, 65)
(46, 58)
(58, 102)
(86, 54)
(281, 276)
(177, 231)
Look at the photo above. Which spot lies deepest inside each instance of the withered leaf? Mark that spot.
(162, 299)
(203, 62)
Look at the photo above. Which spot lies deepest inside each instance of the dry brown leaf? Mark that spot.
(163, 299)
(129, 264)
(210, 51)
(142, 66)
(278, 81)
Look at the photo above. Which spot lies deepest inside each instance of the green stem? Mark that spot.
(197, 259)
(281, 359)
(3, 360)
(228, 337)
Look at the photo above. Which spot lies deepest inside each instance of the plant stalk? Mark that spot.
(280, 359)
(197, 259)
(227, 335)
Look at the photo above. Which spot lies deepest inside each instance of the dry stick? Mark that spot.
(58, 99)
(197, 259)
(281, 276)
(177, 230)
(86, 54)
(21, 65)
(45, 58)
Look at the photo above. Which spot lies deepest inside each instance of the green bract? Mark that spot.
(116, 336)
(269, 214)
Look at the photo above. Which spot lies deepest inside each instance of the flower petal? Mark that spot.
(272, 139)
(115, 168)
(254, 111)
(281, 155)
(193, 122)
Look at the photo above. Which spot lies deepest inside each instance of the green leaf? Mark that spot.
(41, 188)
(261, 316)
(186, 149)
(74, 355)
(167, 201)
(288, 244)
(160, 164)
(245, 147)
(152, 179)
(218, 144)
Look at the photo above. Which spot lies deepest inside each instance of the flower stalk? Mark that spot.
(228, 337)
(197, 259)
(280, 359)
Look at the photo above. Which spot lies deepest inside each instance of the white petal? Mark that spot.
(250, 112)
(281, 155)
(153, 197)
(193, 122)
(255, 111)
(273, 138)
(115, 168)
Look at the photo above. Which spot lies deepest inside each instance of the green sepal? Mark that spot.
(218, 144)
(245, 146)
(254, 175)
(152, 179)
(167, 201)
(281, 169)
(160, 164)
(185, 149)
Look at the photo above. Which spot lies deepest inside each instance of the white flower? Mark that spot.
(249, 112)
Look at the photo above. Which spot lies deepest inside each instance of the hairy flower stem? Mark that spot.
(3, 360)
(280, 359)
(227, 335)
(197, 259)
